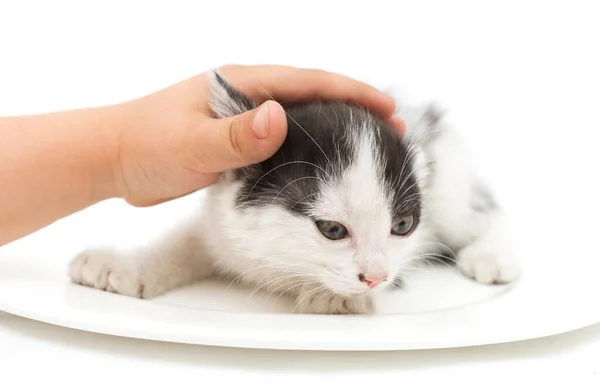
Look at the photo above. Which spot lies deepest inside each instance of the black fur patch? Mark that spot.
(313, 149)
(316, 148)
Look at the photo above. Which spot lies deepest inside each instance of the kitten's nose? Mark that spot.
(372, 279)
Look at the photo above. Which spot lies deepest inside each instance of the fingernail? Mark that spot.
(260, 125)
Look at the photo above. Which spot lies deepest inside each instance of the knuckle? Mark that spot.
(234, 137)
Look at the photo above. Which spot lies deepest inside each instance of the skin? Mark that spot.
(153, 149)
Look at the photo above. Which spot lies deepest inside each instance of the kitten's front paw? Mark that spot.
(101, 270)
(488, 265)
(324, 303)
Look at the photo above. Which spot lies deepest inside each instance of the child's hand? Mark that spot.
(167, 145)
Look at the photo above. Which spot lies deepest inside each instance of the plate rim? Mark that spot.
(231, 333)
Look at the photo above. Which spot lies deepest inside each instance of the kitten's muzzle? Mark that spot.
(372, 279)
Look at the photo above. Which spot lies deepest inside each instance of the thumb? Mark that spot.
(245, 139)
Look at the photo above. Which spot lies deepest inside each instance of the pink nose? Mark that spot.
(372, 279)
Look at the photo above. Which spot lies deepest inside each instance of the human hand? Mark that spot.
(167, 144)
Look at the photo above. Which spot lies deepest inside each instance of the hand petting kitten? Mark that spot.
(174, 144)
(155, 148)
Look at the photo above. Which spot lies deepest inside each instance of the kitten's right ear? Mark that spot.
(225, 100)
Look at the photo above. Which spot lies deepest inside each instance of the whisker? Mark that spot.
(301, 282)
(307, 295)
(275, 265)
(292, 182)
(282, 165)
(275, 281)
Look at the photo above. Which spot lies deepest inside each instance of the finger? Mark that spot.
(398, 124)
(153, 201)
(242, 140)
(287, 84)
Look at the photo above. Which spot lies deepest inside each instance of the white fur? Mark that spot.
(278, 252)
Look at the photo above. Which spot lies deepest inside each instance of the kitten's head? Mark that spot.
(337, 205)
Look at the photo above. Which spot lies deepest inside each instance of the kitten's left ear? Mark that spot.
(245, 140)
(433, 114)
(225, 100)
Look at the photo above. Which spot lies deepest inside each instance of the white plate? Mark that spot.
(439, 309)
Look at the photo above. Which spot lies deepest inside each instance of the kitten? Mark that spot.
(338, 214)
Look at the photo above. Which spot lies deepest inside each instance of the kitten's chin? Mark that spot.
(358, 290)
(348, 293)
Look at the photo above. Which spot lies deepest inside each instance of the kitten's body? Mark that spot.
(338, 164)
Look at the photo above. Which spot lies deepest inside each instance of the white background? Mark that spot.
(515, 67)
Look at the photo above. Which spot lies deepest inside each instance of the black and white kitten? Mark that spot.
(337, 214)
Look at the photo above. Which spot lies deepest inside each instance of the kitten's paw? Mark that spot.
(487, 265)
(101, 270)
(323, 303)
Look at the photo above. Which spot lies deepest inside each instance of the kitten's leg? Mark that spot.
(176, 259)
(489, 257)
(311, 300)
(464, 213)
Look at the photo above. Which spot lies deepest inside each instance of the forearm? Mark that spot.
(52, 165)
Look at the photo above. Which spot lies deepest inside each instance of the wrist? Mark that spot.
(97, 145)
(124, 145)
(109, 132)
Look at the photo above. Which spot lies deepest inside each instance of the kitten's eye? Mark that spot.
(331, 230)
(404, 226)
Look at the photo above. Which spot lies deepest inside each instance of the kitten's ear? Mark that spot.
(423, 124)
(225, 100)
(433, 114)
